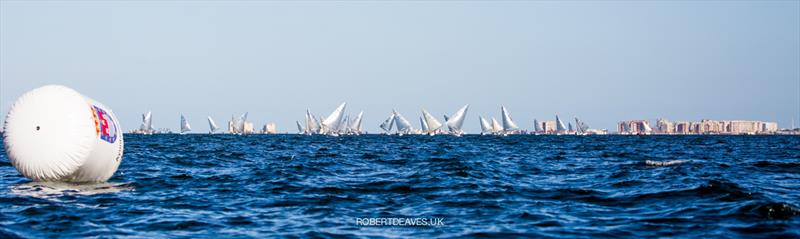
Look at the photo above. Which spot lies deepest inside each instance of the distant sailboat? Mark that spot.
(423, 125)
(560, 127)
(647, 128)
(455, 122)
(403, 126)
(269, 128)
(312, 125)
(433, 124)
(580, 126)
(300, 128)
(536, 126)
(147, 123)
(185, 125)
(508, 124)
(355, 126)
(211, 125)
(496, 127)
(241, 123)
(569, 127)
(486, 127)
(332, 123)
(387, 124)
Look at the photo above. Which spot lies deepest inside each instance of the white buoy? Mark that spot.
(53, 133)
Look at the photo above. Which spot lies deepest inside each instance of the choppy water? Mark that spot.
(541, 186)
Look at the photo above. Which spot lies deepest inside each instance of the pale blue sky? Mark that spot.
(601, 61)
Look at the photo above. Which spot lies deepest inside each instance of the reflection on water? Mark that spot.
(57, 189)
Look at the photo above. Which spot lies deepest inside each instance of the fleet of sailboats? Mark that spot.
(338, 122)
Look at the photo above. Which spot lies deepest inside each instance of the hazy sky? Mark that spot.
(600, 61)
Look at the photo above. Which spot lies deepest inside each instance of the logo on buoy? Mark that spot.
(108, 131)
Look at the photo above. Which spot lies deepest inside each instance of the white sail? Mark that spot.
(432, 123)
(147, 122)
(387, 125)
(647, 128)
(232, 125)
(580, 126)
(312, 125)
(306, 123)
(536, 126)
(423, 125)
(300, 128)
(456, 121)
(270, 128)
(402, 124)
(508, 124)
(333, 120)
(356, 125)
(496, 126)
(560, 127)
(185, 125)
(485, 126)
(239, 124)
(344, 126)
(211, 125)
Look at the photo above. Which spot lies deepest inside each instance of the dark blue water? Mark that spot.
(538, 186)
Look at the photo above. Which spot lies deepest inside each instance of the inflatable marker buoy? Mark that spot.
(53, 133)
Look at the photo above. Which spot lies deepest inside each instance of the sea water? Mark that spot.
(471, 186)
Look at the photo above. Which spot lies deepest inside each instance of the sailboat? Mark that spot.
(508, 125)
(496, 127)
(355, 126)
(486, 127)
(331, 124)
(147, 123)
(537, 128)
(312, 125)
(300, 128)
(580, 126)
(185, 125)
(387, 124)
(269, 128)
(211, 125)
(431, 122)
(647, 128)
(456, 121)
(241, 123)
(403, 126)
(560, 127)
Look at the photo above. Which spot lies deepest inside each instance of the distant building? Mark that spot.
(682, 127)
(634, 127)
(549, 126)
(665, 126)
(707, 126)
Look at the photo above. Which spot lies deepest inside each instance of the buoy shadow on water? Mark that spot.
(58, 189)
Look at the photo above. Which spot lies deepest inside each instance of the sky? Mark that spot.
(602, 61)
